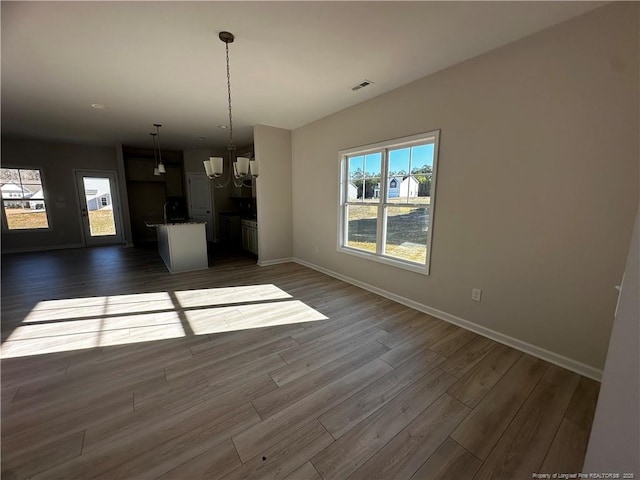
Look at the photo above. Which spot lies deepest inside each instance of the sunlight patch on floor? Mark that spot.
(93, 322)
(87, 307)
(228, 295)
(246, 317)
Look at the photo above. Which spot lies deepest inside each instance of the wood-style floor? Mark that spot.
(113, 368)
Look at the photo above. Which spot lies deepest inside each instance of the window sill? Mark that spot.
(394, 262)
(25, 230)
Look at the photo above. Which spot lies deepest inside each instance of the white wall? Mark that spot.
(537, 184)
(57, 162)
(273, 193)
(615, 436)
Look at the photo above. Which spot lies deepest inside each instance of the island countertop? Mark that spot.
(157, 222)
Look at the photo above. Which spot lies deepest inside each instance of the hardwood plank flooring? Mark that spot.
(522, 448)
(485, 425)
(114, 368)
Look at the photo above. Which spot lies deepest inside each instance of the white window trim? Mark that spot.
(45, 195)
(409, 141)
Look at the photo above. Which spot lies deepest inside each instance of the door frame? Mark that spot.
(190, 175)
(117, 213)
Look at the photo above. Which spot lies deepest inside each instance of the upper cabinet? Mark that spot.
(147, 193)
(140, 170)
(174, 181)
(139, 165)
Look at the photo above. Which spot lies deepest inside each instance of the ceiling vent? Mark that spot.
(364, 83)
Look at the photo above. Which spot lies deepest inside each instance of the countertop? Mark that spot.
(157, 222)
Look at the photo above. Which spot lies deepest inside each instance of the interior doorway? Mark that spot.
(200, 201)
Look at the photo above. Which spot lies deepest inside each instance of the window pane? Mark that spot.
(399, 161)
(30, 176)
(364, 177)
(407, 233)
(424, 189)
(422, 168)
(98, 204)
(9, 175)
(372, 168)
(10, 179)
(398, 181)
(362, 227)
(355, 166)
(23, 215)
(409, 174)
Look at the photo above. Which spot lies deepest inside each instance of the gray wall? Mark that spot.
(273, 193)
(537, 185)
(57, 162)
(615, 436)
(193, 159)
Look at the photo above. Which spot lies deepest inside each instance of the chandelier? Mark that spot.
(240, 169)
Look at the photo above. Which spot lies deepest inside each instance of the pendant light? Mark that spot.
(161, 168)
(241, 169)
(156, 170)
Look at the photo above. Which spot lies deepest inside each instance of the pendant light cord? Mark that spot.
(155, 156)
(158, 133)
(229, 92)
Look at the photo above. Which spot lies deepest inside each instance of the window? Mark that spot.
(23, 199)
(387, 201)
(103, 201)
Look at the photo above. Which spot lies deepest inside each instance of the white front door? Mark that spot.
(99, 207)
(200, 208)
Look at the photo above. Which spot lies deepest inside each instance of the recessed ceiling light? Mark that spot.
(222, 126)
(201, 138)
(98, 106)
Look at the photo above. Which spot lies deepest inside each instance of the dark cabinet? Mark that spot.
(147, 193)
(230, 230)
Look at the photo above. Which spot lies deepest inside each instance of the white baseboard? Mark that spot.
(276, 261)
(547, 355)
(42, 249)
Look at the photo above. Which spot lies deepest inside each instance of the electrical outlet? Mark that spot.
(476, 294)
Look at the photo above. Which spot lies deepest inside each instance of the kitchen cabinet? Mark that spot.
(147, 193)
(250, 236)
(230, 229)
(141, 170)
(173, 181)
(182, 246)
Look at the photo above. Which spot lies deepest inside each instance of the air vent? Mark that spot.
(362, 84)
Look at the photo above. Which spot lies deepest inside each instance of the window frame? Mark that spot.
(431, 137)
(45, 199)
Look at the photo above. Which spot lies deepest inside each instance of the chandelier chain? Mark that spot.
(229, 92)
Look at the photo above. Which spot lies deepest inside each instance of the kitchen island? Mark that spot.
(182, 246)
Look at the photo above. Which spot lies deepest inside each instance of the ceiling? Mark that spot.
(291, 63)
